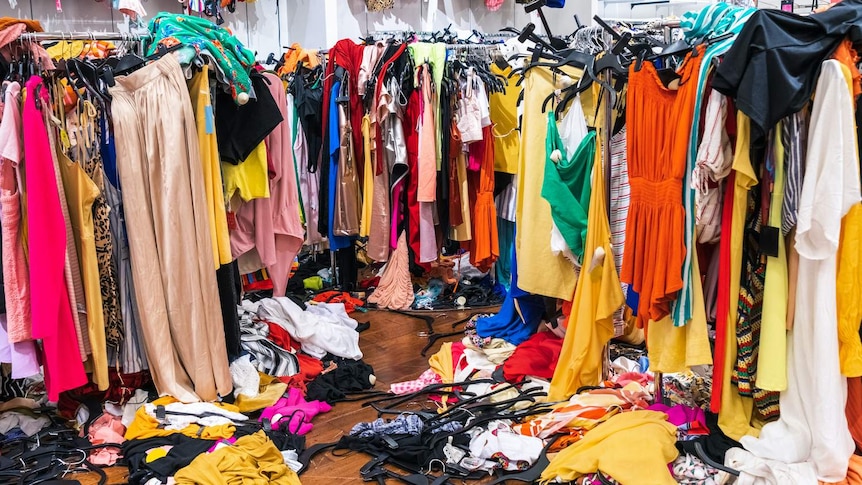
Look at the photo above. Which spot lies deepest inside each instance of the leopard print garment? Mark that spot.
(90, 160)
(379, 5)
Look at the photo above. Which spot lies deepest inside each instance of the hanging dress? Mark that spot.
(658, 120)
(597, 297)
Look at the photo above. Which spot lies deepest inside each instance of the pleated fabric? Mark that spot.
(169, 235)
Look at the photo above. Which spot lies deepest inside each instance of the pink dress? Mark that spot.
(50, 308)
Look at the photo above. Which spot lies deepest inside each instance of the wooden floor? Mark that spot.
(392, 347)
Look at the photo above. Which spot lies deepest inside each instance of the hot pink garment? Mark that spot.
(15, 276)
(50, 308)
(272, 226)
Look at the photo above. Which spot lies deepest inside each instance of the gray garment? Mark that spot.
(28, 424)
(794, 137)
(132, 356)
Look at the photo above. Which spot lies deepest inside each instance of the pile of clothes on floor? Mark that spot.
(480, 410)
(298, 359)
(449, 283)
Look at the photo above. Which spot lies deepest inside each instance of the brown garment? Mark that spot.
(32, 25)
(169, 235)
(74, 283)
(379, 5)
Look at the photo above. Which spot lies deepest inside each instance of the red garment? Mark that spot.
(309, 369)
(854, 409)
(411, 136)
(120, 388)
(280, 337)
(537, 356)
(350, 303)
(722, 305)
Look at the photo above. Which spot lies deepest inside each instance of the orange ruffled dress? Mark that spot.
(659, 122)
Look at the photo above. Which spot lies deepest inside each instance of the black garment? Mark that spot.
(239, 129)
(229, 289)
(715, 445)
(350, 376)
(772, 68)
(282, 439)
(309, 108)
(184, 451)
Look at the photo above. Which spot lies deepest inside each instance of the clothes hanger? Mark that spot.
(532, 474)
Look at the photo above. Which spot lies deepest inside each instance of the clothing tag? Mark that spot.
(64, 139)
(769, 240)
(231, 220)
(209, 120)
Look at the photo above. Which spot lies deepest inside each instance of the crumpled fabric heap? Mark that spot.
(320, 329)
(233, 59)
(690, 470)
(404, 424)
(505, 448)
(395, 290)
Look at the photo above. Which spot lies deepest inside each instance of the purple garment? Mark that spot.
(22, 355)
(680, 415)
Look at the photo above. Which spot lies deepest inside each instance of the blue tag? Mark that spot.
(209, 120)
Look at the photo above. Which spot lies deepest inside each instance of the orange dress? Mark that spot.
(658, 120)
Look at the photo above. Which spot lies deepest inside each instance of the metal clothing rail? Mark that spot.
(106, 36)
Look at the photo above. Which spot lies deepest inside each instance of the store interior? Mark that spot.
(430, 242)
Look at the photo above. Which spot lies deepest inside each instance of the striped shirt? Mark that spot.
(794, 137)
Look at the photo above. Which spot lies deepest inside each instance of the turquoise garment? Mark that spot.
(567, 187)
(712, 21)
(234, 60)
(506, 238)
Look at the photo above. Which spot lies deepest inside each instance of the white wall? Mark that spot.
(267, 25)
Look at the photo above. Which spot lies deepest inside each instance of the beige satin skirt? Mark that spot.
(168, 229)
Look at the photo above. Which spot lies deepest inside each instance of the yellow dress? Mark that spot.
(81, 192)
(250, 178)
(199, 91)
(772, 357)
(367, 179)
(736, 411)
(633, 448)
(597, 298)
(504, 114)
(849, 295)
(540, 271)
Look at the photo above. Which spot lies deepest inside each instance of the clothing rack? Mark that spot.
(106, 36)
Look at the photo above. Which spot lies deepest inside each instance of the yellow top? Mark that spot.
(199, 92)
(633, 448)
(81, 192)
(675, 349)
(504, 114)
(145, 426)
(736, 411)
(772, 357)
(252, 460)
(250, 178)
(367, 179)
(597, 298)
